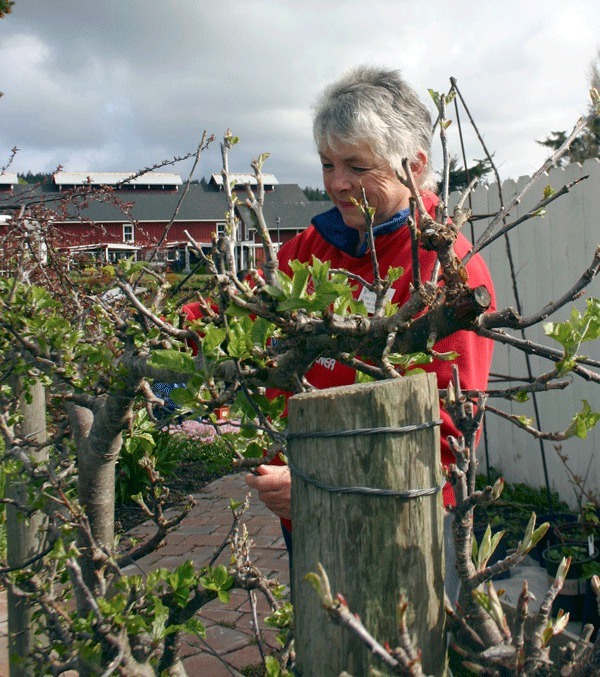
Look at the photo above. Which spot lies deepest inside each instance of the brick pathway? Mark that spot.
(229, 631)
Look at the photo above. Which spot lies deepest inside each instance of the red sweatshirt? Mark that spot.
(394, 250)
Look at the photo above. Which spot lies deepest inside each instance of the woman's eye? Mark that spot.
(326, 165)
(360, 170)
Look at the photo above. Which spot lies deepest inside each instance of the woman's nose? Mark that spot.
(340, 181)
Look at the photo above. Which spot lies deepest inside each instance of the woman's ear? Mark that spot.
(417, 167)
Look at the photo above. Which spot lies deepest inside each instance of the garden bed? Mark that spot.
(189, 457)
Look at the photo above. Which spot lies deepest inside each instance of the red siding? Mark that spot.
(145, 234)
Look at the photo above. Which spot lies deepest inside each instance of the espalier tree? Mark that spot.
(96, 356)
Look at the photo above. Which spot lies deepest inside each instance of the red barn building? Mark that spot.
(134, 215)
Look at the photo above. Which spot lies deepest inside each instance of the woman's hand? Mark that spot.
(274, 484)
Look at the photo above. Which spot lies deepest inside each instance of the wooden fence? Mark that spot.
(549, 255)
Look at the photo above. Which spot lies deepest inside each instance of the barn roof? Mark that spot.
(113, 178)
(290, 204)
(241, 180)
(201, 203)
(8, 179)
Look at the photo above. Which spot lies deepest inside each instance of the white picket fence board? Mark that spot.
(549, 255)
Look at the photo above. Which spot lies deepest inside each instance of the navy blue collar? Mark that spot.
(331, 227)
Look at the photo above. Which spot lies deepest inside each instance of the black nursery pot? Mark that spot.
(577, 532)
(590, 610)
(572, 596)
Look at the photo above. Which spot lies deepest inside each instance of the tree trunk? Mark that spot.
(98, 438)
(373, 548)
(25, 537)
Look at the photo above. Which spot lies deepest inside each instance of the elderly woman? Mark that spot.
(364, 126)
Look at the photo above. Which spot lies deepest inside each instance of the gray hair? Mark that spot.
(375, 105)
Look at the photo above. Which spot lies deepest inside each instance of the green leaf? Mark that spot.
(446, 357)
(254, 450)
(174, 360)
(195, 627)
(435, 96)
(219, 580)
(182, 581)
(521, 396)
(285, 282)
(299, 280)
(319, 271)
(282, 617)
(213, 337)
(524, 420)
(410, 360)
(275, 292)
(239, 341)
(539, 533)
(182, 397)
(358, 308)
(261, 159)
(292, 304)
(314, 581)
(583, 422)
(159, 621)
(261, 331)
(272, 667)
(394, 273)
(362, 377)
(486, 548)
(575, 331)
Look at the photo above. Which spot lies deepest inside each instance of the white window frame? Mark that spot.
(128, 232)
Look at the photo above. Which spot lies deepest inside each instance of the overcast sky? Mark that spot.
(117, 85)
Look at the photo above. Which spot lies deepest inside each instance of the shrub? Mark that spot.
(166, 449)
(142, 446)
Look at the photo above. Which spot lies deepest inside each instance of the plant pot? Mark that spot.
(572, 596)
(577, 532)
(590, 610)
(222, 413)
(553, 518)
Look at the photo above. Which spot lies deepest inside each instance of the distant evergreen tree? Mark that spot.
(38, 177)
(460, 178)
(587, 144)
(5, 7)
(315, 194)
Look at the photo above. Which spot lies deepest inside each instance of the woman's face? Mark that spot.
(347, 169)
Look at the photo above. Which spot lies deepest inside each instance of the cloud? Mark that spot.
(119, 85)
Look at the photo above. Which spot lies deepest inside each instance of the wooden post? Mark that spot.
(373, 548)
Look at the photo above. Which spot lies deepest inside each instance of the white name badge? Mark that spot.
(369, 297)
